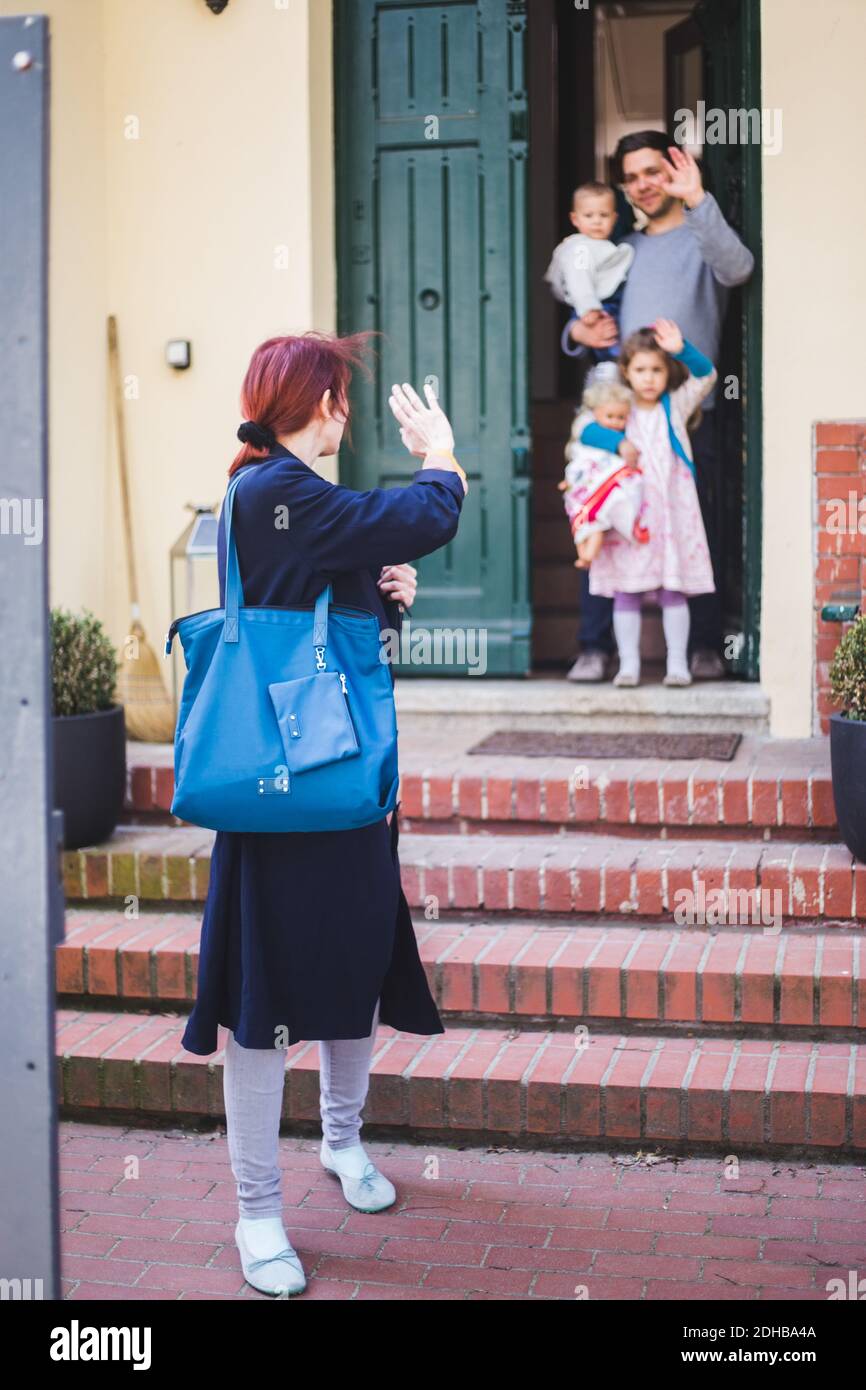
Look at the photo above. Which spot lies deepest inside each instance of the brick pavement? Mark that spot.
(469, 1223)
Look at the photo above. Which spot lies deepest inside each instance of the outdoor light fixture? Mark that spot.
(193, 576)
(178, 353)
(216, 5)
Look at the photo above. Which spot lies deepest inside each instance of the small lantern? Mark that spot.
(194, 578)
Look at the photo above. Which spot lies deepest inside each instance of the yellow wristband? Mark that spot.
(446, 454)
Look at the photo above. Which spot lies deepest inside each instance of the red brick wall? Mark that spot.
(839, 464)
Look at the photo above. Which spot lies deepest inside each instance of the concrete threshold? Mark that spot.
(566, 706)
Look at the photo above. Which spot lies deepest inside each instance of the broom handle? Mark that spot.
(114, 364)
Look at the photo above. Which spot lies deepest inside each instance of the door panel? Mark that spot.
(431, 168)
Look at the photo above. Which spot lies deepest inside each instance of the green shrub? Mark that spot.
(83, 664)
(848, 671)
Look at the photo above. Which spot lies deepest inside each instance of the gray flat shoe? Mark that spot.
(707, 666)
(280, 1274)
(364, 1187)
(590, 666)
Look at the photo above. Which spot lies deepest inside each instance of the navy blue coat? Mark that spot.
(306, 931)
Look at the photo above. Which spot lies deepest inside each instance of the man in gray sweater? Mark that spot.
(686, 260)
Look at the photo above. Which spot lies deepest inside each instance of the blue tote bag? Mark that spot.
(287, 718)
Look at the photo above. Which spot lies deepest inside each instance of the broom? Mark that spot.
(149, 711)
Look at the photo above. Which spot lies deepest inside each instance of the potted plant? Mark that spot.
(89, 729)
(848, 737)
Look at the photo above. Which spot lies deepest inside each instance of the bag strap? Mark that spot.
(320, 625)
(235, 591)
(234, 587)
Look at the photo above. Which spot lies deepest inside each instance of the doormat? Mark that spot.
(540, 743)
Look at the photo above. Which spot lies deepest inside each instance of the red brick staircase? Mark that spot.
(579, 1009)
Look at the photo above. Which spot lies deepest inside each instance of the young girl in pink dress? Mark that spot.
(668, 378)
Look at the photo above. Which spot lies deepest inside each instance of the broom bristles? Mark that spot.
(148, 709)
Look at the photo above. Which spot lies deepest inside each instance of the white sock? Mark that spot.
(264, 1236)
(626, 630)
(676, 622)
(352, 1160)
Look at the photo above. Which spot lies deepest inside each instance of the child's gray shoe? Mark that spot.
(364, 1187)
(269, 1261)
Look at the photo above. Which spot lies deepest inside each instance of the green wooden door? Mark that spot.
(431, 134)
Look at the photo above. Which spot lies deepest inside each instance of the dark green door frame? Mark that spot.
(732, 35)
(753, 349)
(431, 162)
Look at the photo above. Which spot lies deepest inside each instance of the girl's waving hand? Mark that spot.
(668, 336)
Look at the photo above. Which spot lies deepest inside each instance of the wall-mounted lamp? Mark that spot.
(216, 5)
(178, 353)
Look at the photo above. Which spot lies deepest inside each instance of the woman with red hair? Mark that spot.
(308, 936)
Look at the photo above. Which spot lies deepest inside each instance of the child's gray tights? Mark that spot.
(253, 1090)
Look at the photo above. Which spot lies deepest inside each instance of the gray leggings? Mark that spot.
(253, 1081)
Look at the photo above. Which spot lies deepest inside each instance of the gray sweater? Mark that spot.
(684, 275)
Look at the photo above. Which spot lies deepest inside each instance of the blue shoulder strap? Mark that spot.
(320, 626)
(675, 443)
(234, 587)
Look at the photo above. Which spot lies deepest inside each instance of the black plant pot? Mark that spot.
(848, 765)
(89, 774)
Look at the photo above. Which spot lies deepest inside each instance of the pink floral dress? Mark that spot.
(677, 556)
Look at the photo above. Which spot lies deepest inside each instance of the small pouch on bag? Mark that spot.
(315, 722)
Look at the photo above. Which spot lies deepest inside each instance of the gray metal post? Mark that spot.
(31, 907)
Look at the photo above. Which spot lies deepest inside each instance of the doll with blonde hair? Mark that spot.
(603, 487)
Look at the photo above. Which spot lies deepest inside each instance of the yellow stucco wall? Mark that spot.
(214, 224)
(814, 298)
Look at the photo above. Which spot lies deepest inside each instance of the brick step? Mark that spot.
(679, 797)
(616, 875)
(599, 1087)
(759, 792)
(623, 974)
(565, 873)
(164, 864)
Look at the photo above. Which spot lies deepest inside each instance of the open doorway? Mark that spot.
(595, 74)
